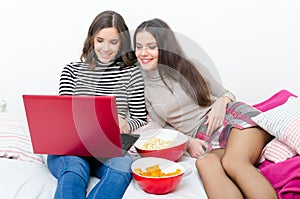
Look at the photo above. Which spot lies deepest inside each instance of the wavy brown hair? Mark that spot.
(173, 63)
(107, 19)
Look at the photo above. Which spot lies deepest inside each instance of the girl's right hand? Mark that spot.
(124, 126)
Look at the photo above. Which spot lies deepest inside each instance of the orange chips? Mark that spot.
(155, 171)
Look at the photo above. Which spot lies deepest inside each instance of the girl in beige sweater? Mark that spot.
(183, 95)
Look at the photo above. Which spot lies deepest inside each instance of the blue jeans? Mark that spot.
(73, 172)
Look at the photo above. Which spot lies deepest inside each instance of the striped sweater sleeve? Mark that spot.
(136, 100)
(67, 81)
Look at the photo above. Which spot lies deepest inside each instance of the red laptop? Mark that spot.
(74, 125)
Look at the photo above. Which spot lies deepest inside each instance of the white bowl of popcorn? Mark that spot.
(162, 143)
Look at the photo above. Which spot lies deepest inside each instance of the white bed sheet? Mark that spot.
(25, 180)
(21, 179)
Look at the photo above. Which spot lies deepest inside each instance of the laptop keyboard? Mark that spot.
(128, 140)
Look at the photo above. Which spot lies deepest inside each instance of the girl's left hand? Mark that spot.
(196, 147)
(217, 114)
(124, 126)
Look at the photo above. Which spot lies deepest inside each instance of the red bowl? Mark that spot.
(171, 152)
(157, 185)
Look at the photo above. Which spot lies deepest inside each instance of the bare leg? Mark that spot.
(243, 149)
(216, 183)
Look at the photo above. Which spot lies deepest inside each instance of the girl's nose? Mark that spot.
(144, 51)
(105, 46)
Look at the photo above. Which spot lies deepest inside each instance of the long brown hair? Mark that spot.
(173, 63)
(108, 19)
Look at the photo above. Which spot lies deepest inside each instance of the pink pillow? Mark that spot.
(275, 100)
(277, 151)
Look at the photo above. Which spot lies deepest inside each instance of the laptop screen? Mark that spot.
(73, 125)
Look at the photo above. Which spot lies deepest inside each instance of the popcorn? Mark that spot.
(156, 144)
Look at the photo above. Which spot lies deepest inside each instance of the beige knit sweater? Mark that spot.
(176, 110)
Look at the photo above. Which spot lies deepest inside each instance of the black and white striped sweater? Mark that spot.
(126, 84)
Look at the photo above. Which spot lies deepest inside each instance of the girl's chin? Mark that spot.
(148, 67)
(105, 61)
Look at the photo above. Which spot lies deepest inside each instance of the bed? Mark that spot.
(24, 174)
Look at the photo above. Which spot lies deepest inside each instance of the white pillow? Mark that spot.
(283, 122)
(15, 140)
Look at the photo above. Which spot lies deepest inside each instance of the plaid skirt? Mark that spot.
(238, 115)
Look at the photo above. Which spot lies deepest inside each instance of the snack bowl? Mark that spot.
(161, 143)
(148, 171)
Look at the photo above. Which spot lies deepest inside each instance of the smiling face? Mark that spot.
(146, 50)
(107, 44)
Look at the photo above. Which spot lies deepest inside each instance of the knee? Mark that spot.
(118, 168)
(121, 167)
(122, 164)
(60, 165)
(201, 163)
(230, 165)
(207, 163)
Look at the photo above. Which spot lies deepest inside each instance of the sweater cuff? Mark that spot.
(230, 95)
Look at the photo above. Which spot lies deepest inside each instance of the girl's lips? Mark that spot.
(105, 56)
(146, 61)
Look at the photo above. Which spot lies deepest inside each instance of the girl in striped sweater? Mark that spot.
(107, 67)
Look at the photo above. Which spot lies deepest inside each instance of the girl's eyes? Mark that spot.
(138, 46)
(113, 42)
(151, 47)
(99, 40)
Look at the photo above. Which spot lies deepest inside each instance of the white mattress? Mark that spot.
(21, 179)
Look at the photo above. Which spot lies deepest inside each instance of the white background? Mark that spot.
(254, 44)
